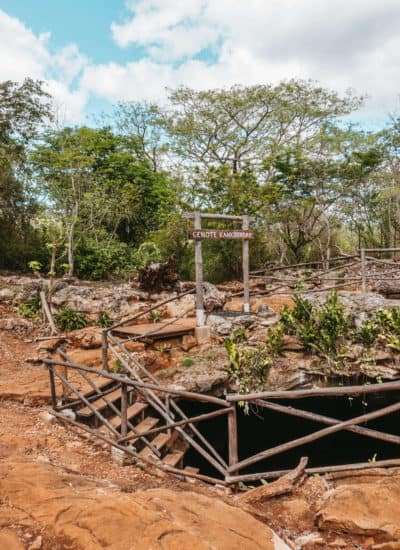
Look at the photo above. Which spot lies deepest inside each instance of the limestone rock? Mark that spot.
(185, 304)
(6, 295)
(188, 342)
(79, 513)
(359, 306)
(86, 338)
(221, 325)
(17, 325)
(213, 299)
(363, 509)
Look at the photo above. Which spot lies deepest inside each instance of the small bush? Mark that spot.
(319, 328)
(68, 319)
(239, 335)
(367, 333)
(156, 316)
(275, 340)
(30, 308)
(247, 366)
(187, 361)
(104, 320)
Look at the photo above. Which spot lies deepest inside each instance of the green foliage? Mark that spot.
(187, 362)
(318, 328)
(35, 266)
(117, 366)
(239, 335)
(68, 319)
(367, 333)
(30, 308)
(104, 320)
(275, 340)
(24, 107)
(247, 366)
(147, 253)
(383, 326)
(99, 256)
(156, 316)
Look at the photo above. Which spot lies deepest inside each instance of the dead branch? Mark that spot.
(281, 486)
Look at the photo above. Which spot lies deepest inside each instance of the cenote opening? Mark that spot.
(262, 429)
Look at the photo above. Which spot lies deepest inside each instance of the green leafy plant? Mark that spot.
(117, 366)
(239, 335)
(69, 319)
(147, 253)
(319, 328)
(156, 316)
(187, 361)
(104, 320)
(275, 340)
(367, 333)
(30, 308)
(35, 266)
(247, 366)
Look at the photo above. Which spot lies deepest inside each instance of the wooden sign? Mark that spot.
(213, 234)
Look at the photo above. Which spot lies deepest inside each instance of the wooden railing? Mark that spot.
(174, 418)
(361, 281)
(165, 401)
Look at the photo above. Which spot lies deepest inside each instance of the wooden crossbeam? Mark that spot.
(313, 437)
(375, 434)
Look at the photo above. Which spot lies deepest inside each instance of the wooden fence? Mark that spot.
(165, 401)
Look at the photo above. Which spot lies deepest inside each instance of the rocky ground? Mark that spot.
(59, 488)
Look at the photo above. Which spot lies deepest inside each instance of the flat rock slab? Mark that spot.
(82, 513)
(164, 330)
(363, 509)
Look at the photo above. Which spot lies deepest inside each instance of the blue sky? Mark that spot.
(94, 53)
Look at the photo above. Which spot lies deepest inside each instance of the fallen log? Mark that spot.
(281, 486)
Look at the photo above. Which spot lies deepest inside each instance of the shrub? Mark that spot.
(187, 361)
(147, 253)
(104, 320)
(247, 366)
(275, 340)
(319, 328)
(68, 319)
(30, 308)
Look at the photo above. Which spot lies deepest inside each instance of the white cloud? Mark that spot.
(24, 54)
(171, 29)
(343, 44)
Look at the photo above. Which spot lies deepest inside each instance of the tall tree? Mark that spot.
(99, 187)
(23, 110)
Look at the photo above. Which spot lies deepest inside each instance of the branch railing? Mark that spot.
(150, 393)
(229, 473)
(361, 281)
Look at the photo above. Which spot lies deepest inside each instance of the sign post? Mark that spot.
(199, 275)
(198, 234)
(245, 259)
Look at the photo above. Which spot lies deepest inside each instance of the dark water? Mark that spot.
(262, 429)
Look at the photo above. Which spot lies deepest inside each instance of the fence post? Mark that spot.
(53, 389)
(245, 259)
(199, 274)
(104, 350)
(233, 436)
(363, 271)
(124, 409)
